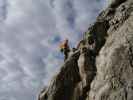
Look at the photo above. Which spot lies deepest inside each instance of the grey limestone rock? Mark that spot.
(111, 68)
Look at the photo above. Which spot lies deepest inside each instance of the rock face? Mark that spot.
(106, 73)
(63, 84)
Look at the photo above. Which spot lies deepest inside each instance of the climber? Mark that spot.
(64, 48)
(90, 39)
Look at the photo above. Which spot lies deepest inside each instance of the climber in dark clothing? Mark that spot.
(64, 48)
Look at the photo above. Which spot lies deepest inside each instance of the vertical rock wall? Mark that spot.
(111, 68)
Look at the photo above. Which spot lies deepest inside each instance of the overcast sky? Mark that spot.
(30, 32)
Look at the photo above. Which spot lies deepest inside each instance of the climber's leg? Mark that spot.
(65, 55)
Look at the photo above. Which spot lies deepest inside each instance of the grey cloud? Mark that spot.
(3, 9)
(74, 16)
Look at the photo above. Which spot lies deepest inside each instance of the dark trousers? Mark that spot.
(66, 53)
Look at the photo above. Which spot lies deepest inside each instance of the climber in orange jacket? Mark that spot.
(64, 48)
